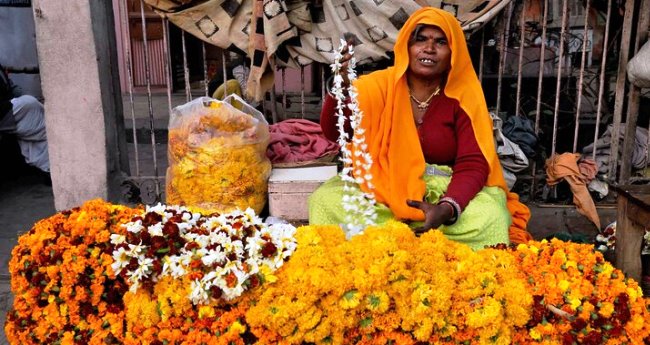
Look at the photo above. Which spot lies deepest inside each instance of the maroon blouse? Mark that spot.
(445, 126)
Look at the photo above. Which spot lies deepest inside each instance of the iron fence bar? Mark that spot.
(502, 58)
(149, 100)
(323, 88)
(581, 77)
(186, 70)
(522, 32)
(264, 105)
(168, 68)
(284, 94)
(129, 72)
(542, 61)
(481, 56)
(225, 74)
(205, 68)
(540, 80)
(274, 109)
(601, 86)
(302, 91)
(624, 53)
(633, 97)
(558, 83)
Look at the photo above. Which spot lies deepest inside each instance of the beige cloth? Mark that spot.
(564, 167)
(298, 32)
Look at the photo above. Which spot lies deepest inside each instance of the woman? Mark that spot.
(425, 110)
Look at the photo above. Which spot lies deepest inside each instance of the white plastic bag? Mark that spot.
(638, 69)
(217, 156)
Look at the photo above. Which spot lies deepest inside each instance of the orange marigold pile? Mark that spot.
(59, 276)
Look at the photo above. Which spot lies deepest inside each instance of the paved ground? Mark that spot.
(24, 198)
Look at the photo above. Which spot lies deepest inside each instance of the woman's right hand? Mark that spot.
(345, 62)
(434, 215)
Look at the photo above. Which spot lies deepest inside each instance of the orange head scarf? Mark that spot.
(391, 134)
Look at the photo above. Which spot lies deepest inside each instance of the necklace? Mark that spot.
(425, 104)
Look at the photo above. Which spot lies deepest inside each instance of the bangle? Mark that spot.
(456, 209)
(328, 85)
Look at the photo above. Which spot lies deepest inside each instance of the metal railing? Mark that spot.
(558, 48)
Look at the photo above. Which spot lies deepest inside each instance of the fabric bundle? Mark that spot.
(640, 155)
(298, 140)
(565, 167)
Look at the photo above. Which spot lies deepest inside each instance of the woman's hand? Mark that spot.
(434, 215)
(345, 62)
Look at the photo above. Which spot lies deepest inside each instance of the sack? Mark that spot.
(217, 156)
(520, 130)
(638, 69)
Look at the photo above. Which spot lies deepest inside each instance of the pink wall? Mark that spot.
(292, 80)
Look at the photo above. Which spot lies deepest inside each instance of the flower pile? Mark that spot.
(358, 205)
(388, 286)
(217, 158)
(105, 274)
(579, 297)
(63, 292)
(222, 255)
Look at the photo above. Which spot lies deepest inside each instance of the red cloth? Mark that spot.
(444, 125)
(298, 140)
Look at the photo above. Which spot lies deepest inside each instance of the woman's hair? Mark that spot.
(415, 33)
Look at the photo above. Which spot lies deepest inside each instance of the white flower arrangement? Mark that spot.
(230, 252)
(358, 205)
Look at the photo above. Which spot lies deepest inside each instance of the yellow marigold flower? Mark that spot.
(563, 284)
(606, 309)
(574, 302)
(607, 270)
(350, 299)
(634, 293)
(237, 327)
(378, 302)
(571, 263)
(535, 334)
(423, 332)
(269, 277)
(206, 311)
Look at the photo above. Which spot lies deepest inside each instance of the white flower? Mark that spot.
(117, 239)
(134, 227)
(213, 256)
(172, 266)
(156, 229)
(159, 208)
(199, 295)
(121, 259)
(135, 249)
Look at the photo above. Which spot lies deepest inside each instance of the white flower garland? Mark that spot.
(236, 246)
(359, 206)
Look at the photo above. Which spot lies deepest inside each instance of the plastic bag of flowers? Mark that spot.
(217, 159)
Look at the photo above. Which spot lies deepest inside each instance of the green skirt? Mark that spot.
(484, 222)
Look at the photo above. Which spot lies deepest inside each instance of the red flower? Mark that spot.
(269, 249)
(171, 229)
(621, 308)
(151, 218)
(579, 324)
(568, 339)
(593, 338)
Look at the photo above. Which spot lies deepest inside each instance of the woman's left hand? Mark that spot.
(434, 215)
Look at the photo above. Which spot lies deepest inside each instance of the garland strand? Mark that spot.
(359, 205)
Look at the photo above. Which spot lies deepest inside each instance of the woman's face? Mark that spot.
(429, 53)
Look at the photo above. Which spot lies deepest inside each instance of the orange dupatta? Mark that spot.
(391, 134)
